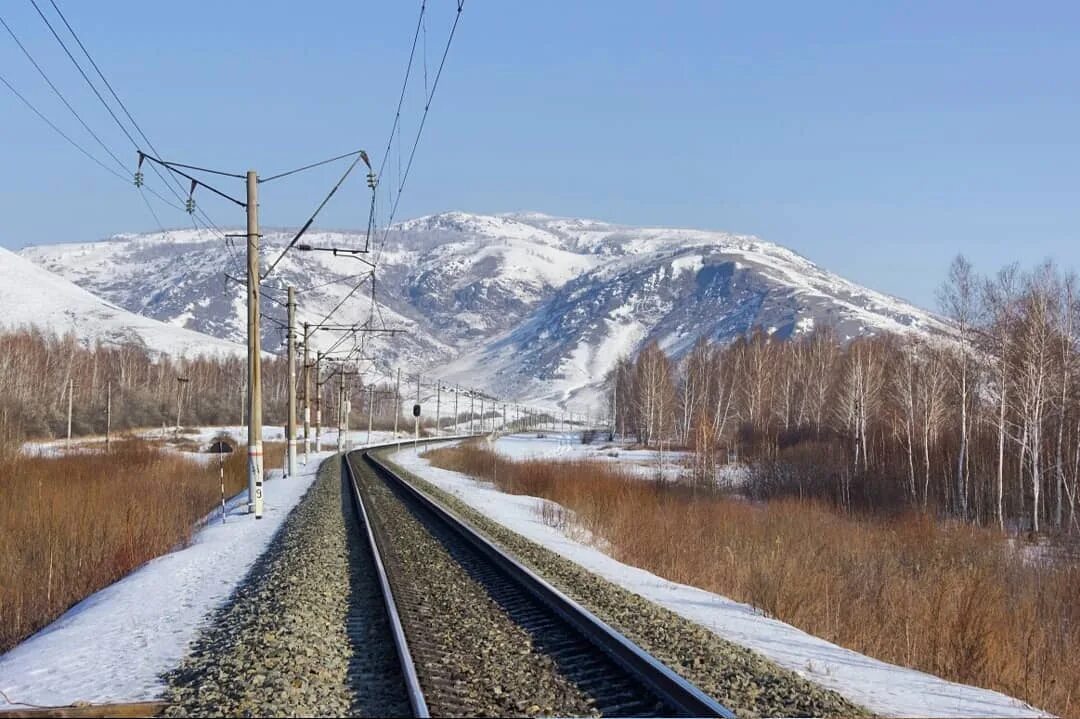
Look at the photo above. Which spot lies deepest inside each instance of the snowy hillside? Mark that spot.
(524, 304)
(34, 296)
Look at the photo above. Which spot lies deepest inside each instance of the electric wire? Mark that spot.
(60, 132)
(361, 155)
(419, 132)
(278, 176)
(100, 74)
(75, 144)
(206, 218)
(60, 95)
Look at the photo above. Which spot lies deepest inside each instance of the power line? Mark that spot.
(60, 132)
(404, 87)
(59, 94)
(423, 119)
(112, 91)
(100, 74)
(76, 145)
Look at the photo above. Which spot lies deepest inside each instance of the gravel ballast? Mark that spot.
(472, 660)
(742, 680)
(306, 632)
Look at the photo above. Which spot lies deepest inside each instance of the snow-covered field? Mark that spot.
(115, 644)
(644, 463)
(882, 688)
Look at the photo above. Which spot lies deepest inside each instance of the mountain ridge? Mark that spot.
(516, 302)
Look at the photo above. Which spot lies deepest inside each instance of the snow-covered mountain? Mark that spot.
(524, 304)
(32, 296)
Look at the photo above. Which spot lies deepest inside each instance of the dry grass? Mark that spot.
(955, 601)
(70, 525)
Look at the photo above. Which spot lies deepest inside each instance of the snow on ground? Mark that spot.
(115, 644)
(880, 687)
(644, 463)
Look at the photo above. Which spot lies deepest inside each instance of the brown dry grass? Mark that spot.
(955, 601)
(70, 525)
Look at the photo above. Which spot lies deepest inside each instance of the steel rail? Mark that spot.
(408, 669)
(668, 686)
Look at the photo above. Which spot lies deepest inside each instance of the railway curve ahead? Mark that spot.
(478, 634)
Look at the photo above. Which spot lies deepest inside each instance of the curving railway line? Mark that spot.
(477, 633)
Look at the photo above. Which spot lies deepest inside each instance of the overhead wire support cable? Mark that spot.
(263, 180)
(204, 169)
(194, 180)
(361, 155)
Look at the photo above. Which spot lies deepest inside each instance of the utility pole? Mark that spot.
(255, 449)
(307, 392)
(481, 414)
(438, 410)
(343, 416)
(397, 406)
(180, 382)
(318, 401)
(370, 409)
(416, 416)
(457, 417)
(472, 412)
(614, 405)
(290, 425)
(71, 391)
(108, 416)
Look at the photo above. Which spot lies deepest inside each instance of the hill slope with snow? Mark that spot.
(522, 304)
(33, 296)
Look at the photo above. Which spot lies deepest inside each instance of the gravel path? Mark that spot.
(305, 634)
(741, 680)
(472, 660)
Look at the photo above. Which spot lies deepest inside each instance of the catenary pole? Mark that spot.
(416, 418)
(370, 410)
(71, 392)
(255, 449)
(397, 406)
(438, 409)
(290, 426)
(318, 401)
(108, 416)
(307, 392)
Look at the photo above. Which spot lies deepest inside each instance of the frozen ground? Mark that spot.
(883, 688)
(116, 643)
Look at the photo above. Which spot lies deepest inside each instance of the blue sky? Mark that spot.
(877, 139)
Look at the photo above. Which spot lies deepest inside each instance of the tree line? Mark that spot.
(40, 371)
(122, 387)
(982, 424)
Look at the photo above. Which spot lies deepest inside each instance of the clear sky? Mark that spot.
(878, 139)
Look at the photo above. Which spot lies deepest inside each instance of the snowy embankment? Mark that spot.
(882, 688)
(115, 644)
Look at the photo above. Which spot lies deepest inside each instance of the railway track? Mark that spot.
(477, 633)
